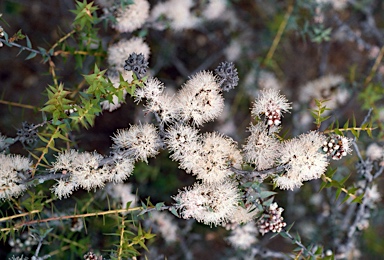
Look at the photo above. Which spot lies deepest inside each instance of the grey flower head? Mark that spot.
(27, 134)
(228, 75)
(137, 64)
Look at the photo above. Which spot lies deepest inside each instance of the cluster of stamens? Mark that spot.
(271, 221)
(273, 117)
(334, 147)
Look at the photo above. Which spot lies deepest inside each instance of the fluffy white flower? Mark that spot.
(139, 142)
(119, 52)
(165, 106)
(132, 17)
(121, 170)
(212, 203)
(177, 12)
(184, 141)
(165, 224)
(180, 138)
(375, 152)
(261, 148)
(200, 99)
(268, 80)
(303, 160)
(326, 87)
(271, 104)
(214, 9)
(10, 166)
(218, 153)
(288, 183)
(244, 236)
(373, 195)
(63, 189)
(233, 51)
(84, 172)
(152, 89)
(123, 193)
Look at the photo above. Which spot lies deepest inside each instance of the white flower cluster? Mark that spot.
(244, 236)
(303, 160)
(207, 156)
(210, 203)
(375, 152)
(123, 193)
(164, 223)
(262, 147)
(138, 142)
(132, 16)
(85, 170)
(199, 101)
(183, 14)
(11, 168)
(327, 88)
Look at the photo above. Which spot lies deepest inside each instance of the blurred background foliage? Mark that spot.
(304, 51)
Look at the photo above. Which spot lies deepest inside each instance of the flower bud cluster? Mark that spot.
(271, 220)
(272, 105)
(24, 243)
(27, 134)
(337, 146)
(117, 54)
(92, 256)
(137, 64)
(228, 75)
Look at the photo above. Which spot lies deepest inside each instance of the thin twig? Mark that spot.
(258, 174)
(279, 33)
(17, 104)
(94, 214)
(21, 46)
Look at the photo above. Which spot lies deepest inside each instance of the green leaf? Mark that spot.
(159, 206)
(338, 192)
(31, 56)
(29, 45)
(174, 212)
(266, 194)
